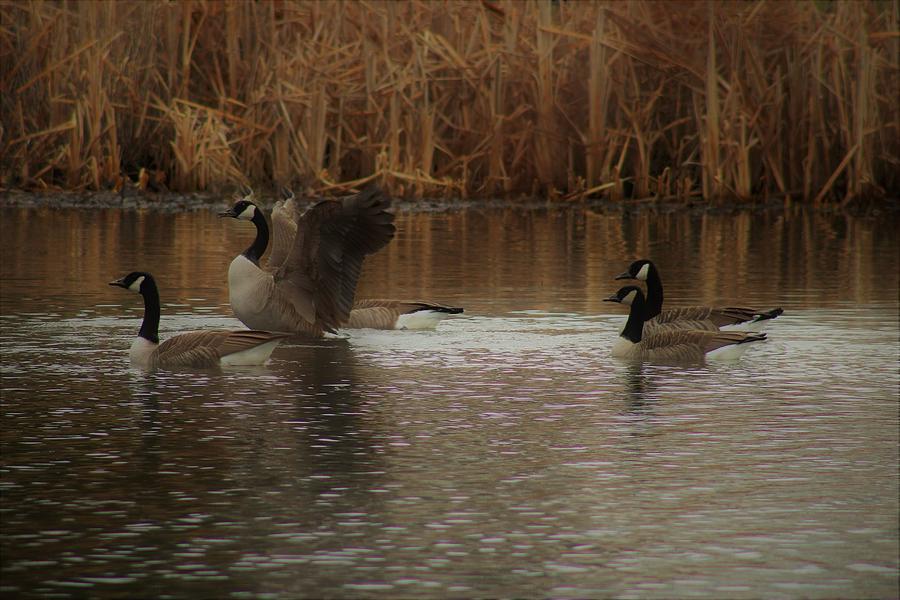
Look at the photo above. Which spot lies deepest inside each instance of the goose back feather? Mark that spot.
(374, 313)
(655, 326)
(215, 347)
(718, 317)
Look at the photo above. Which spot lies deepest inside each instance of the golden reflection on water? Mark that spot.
(514, 432)
(487, 260)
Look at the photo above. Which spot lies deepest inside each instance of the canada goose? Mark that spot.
(691, 317)
(369, 313)
(372, 313)
(677, 345)
(194, 348)
(307, 287)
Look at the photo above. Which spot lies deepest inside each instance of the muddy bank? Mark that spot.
(172, 202)
(61, 199)
(213, 201)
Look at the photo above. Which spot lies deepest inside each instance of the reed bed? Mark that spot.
(569, 100)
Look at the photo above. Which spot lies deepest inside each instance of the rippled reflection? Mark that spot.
(503, 455)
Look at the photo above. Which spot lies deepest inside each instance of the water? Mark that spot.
(504, 454)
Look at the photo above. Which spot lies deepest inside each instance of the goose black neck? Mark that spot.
(634, 326)
(653, 305)
(150, 326)
(258, 247)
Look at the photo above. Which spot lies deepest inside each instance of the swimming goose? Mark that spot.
(194, 348)
(691, 317)
(307, 288)
(373, 313)
(369, 313)
(673, 345)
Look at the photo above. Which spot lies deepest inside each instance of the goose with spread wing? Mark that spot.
(708, 318)
(370, 313)
(310, 289)
(209, 348)
(673, 345)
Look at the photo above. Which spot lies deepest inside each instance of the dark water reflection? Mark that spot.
(505, 454)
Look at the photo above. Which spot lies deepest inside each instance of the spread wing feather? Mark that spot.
(284, 229)
(333, 237)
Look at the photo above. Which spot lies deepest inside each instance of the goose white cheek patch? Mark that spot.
(136, 284)
(629, 298)
(642, 274)
(248, 213)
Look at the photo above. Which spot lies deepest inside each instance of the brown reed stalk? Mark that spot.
(616, 99)
(710, 125)
(598, 105)
(545, 147)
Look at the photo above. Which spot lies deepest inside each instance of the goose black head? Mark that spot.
(134, 281)
(639, 269)
(626, 295)
(243, 209)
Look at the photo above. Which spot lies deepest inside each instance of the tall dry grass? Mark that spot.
(570, 100)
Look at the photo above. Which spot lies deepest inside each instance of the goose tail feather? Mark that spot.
(769, 314)
(753, 337)
(450, 310)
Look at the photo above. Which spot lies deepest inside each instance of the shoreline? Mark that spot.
(174, 202)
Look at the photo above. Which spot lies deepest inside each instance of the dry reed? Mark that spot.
(475, 99)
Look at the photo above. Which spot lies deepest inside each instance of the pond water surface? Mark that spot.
(504, 454)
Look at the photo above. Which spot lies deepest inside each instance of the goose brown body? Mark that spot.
(207, 348)
(672, 345)
(682, 345)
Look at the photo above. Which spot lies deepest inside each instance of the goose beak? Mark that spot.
(613, 298)
(625, 275)
(118, 283)
(228, 213)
